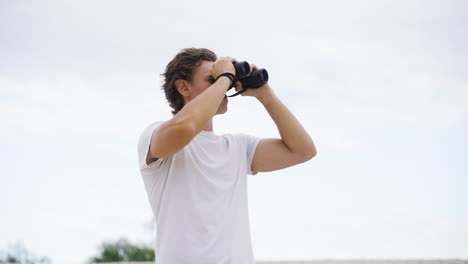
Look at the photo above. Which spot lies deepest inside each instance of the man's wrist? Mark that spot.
(225, 81)
(228, 75)
(266, 95)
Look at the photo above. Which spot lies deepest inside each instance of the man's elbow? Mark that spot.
(309, 154)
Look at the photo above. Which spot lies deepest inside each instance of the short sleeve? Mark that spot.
(144, 141)
(250, 143)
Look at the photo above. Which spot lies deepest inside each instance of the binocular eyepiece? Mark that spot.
(249, 80)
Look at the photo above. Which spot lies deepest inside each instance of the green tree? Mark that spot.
(121, 251)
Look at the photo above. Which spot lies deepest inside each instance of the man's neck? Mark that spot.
(209, 126)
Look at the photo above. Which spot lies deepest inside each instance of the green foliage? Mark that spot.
(19, 254)
(121, 251)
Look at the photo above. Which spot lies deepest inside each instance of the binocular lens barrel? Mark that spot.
(242, 69)
(255, 79)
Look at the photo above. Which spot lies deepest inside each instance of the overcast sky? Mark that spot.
(381, 86)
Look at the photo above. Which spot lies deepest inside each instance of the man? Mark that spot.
(196, 180)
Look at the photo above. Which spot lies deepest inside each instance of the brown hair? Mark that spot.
(182, 66)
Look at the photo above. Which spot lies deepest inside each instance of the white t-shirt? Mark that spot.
(199, 198)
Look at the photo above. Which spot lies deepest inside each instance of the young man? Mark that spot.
(196, 180)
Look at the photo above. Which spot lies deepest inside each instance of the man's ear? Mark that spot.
(182, 87)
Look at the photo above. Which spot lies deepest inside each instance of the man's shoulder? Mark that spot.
(148, 129)
(153, 125)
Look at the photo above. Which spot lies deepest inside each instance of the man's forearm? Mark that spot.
(291, 131)
(203, 107)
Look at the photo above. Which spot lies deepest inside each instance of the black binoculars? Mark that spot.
(249, 80)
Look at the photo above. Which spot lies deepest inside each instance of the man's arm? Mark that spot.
(295, 145)
(177, 132)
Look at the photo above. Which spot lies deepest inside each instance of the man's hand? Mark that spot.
(255, 92)
(222, 65)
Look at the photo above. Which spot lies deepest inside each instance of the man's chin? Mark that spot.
(221, 111)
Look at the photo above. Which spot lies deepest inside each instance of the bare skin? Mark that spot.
(204, 100)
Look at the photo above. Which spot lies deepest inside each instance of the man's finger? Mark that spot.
(238, 86)
(231, 59)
